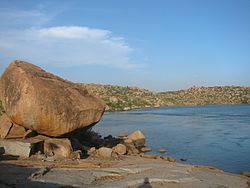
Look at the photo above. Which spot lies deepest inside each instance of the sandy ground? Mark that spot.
(128, 171)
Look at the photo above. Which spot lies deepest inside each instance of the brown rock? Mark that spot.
(120, 149)
(104, 152)
(151, 156)
(60, 148)
(169, 159)
(92, 151)
(16, 131)
(162, 150)
(46, 103)
(138, 139)
(145, 149)
(131, 149)
(247, 174)
(10, 130)
(5, 125)
(76, 154)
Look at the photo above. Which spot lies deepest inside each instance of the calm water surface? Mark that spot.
(216, 135)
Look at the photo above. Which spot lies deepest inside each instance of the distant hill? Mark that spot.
(120, 98)
(126, 98)
(207, 95)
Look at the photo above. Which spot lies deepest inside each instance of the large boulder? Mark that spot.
(48, 104)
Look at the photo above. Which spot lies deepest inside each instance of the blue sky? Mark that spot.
(159, 45)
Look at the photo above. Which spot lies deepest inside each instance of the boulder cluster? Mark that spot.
(123, 144)
(39, 106)
(49, 118)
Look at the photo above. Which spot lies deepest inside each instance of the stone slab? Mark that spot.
(18, 147)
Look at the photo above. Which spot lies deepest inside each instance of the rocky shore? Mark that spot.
(107, 162)
(46, 141)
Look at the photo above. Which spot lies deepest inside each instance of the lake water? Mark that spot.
(216, 135)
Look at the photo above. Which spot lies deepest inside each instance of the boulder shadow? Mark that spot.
(13, 176)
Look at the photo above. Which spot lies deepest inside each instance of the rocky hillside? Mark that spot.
(207, 95)
(126, 98)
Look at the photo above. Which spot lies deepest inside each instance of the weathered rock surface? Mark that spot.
(129, 172)
(131, 149)
(59, 148)
(9, 129)
(120, 149)
(247, 174)
(138, 138)
(48, 104)
(162, 150)
(18, 147)
(5, 125)
(104, 152)
(145, 149)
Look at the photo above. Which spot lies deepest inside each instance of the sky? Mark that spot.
(160, 45)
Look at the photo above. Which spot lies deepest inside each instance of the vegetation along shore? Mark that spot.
(119, 98)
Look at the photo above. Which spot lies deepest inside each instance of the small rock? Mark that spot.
(169, 159)
(162, 150)
(131, 149)
(18, 147)
(120, 149)
(138, 139)
(104, 152)
(145, 149)
(151, 156)
(183, 159)
(157, 157)
(76, 154)
(92, 151)
(40, 172)
(60, 148)
(247, 174)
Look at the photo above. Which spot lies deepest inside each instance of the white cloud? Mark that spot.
(61, 45)
(73, 32)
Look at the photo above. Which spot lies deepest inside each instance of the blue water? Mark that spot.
(216, 135)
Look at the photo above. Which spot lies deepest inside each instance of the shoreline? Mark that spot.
(127, 171)
(228, 164)
(141, 108)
